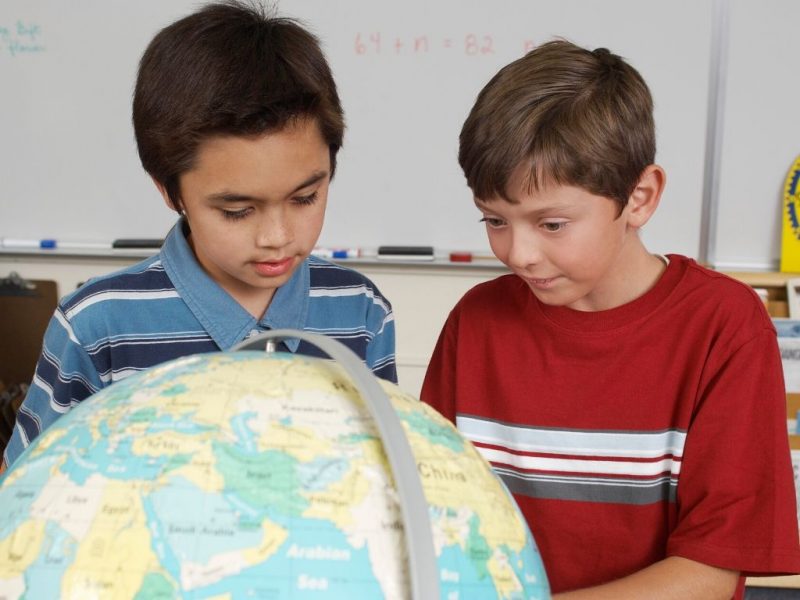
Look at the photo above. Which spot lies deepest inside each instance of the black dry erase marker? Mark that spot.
(405, 252)
(137, 243)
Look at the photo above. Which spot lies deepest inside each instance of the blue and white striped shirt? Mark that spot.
(166, 307)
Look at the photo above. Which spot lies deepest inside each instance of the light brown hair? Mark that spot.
(569, 115)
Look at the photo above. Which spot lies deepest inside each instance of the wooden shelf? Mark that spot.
(784, 581)
(762, 278)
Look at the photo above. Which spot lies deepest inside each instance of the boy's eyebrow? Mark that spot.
(314, 178)
(482, 205)
(553, 208)
(234, 197)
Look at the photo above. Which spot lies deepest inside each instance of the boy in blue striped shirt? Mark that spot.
(238, 122)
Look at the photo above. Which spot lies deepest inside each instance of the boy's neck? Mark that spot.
(635, 273)
(641, 272)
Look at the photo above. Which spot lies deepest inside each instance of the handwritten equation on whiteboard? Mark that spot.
(469, 44)
(23, 37)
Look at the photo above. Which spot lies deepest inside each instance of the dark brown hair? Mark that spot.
(569, 115)
(228, 69)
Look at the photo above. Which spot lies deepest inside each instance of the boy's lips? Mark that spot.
(540, 283)
(273, 268)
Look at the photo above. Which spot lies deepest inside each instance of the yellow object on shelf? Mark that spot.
(790, 243)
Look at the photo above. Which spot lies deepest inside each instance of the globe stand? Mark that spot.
(422, 562)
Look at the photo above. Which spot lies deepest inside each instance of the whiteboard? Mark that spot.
(408, 73)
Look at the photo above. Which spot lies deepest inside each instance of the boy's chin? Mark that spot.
(553, 299)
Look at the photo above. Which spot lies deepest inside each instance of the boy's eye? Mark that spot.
(235, 215)
(492, 222)
(553, 227)
(305, 200)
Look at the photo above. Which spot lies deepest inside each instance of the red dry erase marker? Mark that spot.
(461, 257)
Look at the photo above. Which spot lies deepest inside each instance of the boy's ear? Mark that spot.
(163, 191)
(644, 200)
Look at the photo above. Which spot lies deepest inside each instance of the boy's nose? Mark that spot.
(274, 230)
(523, 250)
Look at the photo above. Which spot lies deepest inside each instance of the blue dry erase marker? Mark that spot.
(18, 243)
(346, 253)
(51, 244)
(336, 252)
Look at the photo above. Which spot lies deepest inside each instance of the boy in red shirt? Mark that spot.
(633, 403)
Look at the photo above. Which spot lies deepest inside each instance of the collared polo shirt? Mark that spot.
(167, 306)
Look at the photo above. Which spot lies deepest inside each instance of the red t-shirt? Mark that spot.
(654, 429)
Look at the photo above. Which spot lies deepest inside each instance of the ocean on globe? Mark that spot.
(247, 475)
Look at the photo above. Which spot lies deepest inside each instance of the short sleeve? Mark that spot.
(735, 497)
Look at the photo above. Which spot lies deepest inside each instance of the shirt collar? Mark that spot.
(225, 320)
(289, 305)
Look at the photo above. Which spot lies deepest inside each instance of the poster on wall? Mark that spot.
(789, 344)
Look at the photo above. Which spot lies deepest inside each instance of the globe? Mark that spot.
(251, 475)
